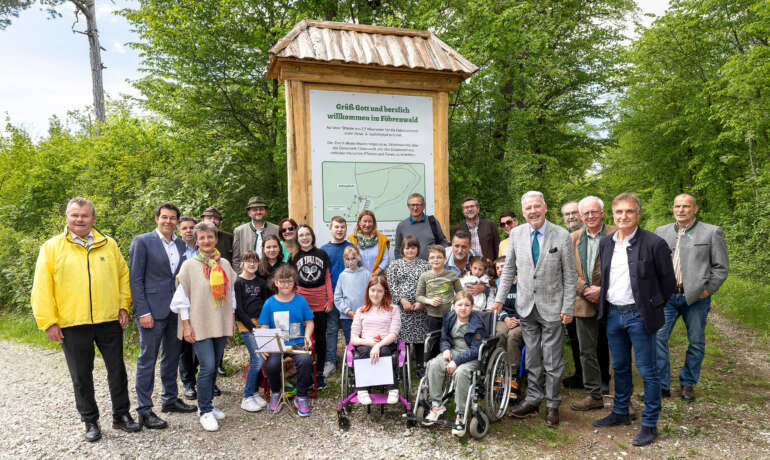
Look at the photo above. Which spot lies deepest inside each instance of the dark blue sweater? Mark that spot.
(475, 333)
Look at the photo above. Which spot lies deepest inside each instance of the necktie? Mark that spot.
(535, 247)
(258, 243)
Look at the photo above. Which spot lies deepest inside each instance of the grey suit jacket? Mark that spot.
(244, 239)
(702, 255)
(550, 286)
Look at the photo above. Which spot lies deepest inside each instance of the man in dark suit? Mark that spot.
(224, 239)
(484, 237)
(637, 280)
(154, 259)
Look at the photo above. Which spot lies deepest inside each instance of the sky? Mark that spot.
(45, 70)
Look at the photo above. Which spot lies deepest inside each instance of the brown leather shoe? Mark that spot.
(587, 403)
(552, 417)
(524, 409)
(688, 393)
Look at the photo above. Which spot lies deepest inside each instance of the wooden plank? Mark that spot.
(369, 76)
(441, 160)
(298, 154)
(366, 28)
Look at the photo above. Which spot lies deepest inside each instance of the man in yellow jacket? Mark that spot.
(81, 296)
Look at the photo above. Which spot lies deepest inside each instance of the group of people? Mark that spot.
(625, 287)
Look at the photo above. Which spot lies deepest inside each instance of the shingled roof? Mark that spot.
(360, 44)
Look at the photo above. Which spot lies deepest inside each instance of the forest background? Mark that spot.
(564, 102)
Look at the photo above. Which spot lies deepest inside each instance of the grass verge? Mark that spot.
(746, 302)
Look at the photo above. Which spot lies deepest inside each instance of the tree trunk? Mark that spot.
(88, 9)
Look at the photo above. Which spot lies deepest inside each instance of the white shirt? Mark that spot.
(86, 241)
(171, 250)
(619, 290)
(180, 303)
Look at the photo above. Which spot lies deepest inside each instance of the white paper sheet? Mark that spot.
(266, 341)
(368, 374)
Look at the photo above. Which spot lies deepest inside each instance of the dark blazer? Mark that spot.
(225, 245)
(652, 276)
(474, 335)
(488, 237)
(152, 283)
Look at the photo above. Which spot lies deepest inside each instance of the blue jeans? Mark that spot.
(624, 332)
(161, 337)
(694, 317)
(346, 323)
(332, 331)
(255, 364)
(207, 352)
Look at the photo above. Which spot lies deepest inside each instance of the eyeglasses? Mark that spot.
(350, 259)
(470, 206)
(592, 213)
(250, 262)
(415, 205)
(285, 281)
(571, 213)
(506, 223)
(290, 228)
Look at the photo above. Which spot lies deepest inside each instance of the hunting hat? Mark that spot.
(213, 212)
(256, 201)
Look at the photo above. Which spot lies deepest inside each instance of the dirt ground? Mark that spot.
(729, 419)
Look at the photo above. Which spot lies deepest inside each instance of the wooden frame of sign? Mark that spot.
(301, 75)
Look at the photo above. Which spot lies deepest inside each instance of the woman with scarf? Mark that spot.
(374, 246)
(205, 302)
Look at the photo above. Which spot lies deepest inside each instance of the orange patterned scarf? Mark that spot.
(217, 277)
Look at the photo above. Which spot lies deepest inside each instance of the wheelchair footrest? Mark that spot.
(446, 424)
(377, 398)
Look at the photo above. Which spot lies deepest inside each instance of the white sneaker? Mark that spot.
(363, 397)
(218, 413)
(392, 396)
(435, 413)
(250, 404)
(459, 421)
(209, 422)
(328, 369)
(260, 401)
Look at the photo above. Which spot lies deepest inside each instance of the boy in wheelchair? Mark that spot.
(462, 333)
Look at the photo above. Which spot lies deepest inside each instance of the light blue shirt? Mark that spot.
(86, 241)
(189, 252)
(171, 250)
(540, 234)
(369, 256)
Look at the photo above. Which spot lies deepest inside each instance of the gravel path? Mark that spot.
(729, 420)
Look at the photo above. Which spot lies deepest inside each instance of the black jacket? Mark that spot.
(652, 276)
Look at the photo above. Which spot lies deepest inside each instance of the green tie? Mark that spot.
(535, 247)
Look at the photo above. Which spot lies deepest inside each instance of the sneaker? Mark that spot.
(303, 409)
(435, 413)
(420, 372)
(392, 396)
(363, 397)
(250, 404)
(613, 419)
(275, 403)
(459, 421)
(260, 401)
(320, 384)
(328, 369)
(218, 413)
(209, 422)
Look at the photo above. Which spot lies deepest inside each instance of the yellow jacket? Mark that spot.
(75, 286)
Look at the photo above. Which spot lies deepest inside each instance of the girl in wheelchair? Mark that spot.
(374, 331)
(462, 333)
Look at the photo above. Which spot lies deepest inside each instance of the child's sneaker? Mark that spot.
(260, 401)
(392, 396)
(275, 403)
(218, 413)
(328, 369)
(303, 409)
(364, 398)
(459, 421)
(435, 413)
(320, 384)
(250, 404)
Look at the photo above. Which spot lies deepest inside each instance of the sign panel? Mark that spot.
(369, 151)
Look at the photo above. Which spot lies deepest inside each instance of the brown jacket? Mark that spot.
(584, 308)
(488, 237)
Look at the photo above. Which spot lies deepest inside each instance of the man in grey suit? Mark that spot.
(541, 255)
(249, 236)
(700, 266)
(154, 261)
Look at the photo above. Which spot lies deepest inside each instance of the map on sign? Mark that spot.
(383, 188)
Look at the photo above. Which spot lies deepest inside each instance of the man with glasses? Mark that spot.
(424, 227)
(571, 216)
(249, 236)
(508, 221)
(484, 237)
(594, 351)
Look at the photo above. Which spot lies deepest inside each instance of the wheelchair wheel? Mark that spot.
(343, 422)
(347, 385)
(479, 425)
(498, 385)
(406, 387)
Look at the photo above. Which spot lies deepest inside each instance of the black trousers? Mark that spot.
(78, 346)
(575, 346)
(434, 324)
(319, 335)
(603, 351)
(188, 364)
(362, 351)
